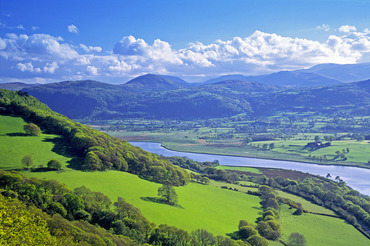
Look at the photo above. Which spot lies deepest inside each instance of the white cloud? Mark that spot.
(92, 70)
(89, 49)
(25, 67)
(347, 29)
(260, 53)
(51, 67)
(35, 28)
(323, 27)
(73, 29)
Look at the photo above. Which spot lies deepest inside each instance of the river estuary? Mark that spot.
(357, 178)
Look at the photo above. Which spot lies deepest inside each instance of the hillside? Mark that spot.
(342, 72)
(101, 101)
(99, 151)
(152, 82)
(283, 78)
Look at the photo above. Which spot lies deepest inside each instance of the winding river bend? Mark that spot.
(357, 178)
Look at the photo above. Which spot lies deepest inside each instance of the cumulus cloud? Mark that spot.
(25, 67)
(92, 70)
(347, 28)
(35, 28)
(323, 27)
(89, 49)
(73, 29)
(260, 53)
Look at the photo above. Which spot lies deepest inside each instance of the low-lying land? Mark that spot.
(295, 149)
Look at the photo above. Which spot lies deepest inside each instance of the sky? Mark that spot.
(113, 41)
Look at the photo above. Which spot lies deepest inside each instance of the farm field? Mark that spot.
(217, 210)
(320, 230)
(15, 144)
(292, 149)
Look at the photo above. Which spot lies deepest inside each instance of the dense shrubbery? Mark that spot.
(99, 150)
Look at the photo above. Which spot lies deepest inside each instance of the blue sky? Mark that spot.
(113, 41)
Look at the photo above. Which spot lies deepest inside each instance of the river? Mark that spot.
(357, 178)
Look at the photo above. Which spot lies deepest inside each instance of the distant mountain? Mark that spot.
(78, 99)
(16, 86)
(283, 78)
(154, 82)
(96, 100)
(345, 72)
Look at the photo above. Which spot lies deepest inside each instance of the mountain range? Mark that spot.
(167, 97)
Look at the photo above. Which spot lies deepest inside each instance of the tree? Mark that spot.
(54, 164)
(328, 175)
(246, 231)
(272, 145)
(27, 161)
(317, 139)
(167, 192)
(205, 180)
(296, 239)
(32, 129)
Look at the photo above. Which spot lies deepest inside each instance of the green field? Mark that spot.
(320, 230)
(204, 206)
(14, 144)
(243, 169)
(293, 149)
(214, 209)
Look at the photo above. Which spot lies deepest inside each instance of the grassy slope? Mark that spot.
(217, 210)
(13, 148)
(208, 207)
(320, 230)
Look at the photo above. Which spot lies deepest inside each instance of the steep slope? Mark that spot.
(98, 150)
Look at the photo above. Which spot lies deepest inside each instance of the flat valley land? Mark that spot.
(292, 149)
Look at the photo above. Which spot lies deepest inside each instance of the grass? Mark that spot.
(320, 230)
(204, 206)
(243, 169)
(14, 144)
(311, 207)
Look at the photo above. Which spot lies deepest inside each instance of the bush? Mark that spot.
(54, 164)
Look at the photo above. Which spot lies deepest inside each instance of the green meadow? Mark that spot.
(203, 206)
(15, 144)
(214, 209)
(320, 230)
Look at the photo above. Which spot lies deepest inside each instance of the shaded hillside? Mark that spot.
(98, 150)
(96, 100)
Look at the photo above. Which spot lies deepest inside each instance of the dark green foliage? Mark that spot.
(168, 193)
(246, 231)
(54, 164)
(32, 129)
(257, 240)
(166, 235)
(99, 150)
(296, 239)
